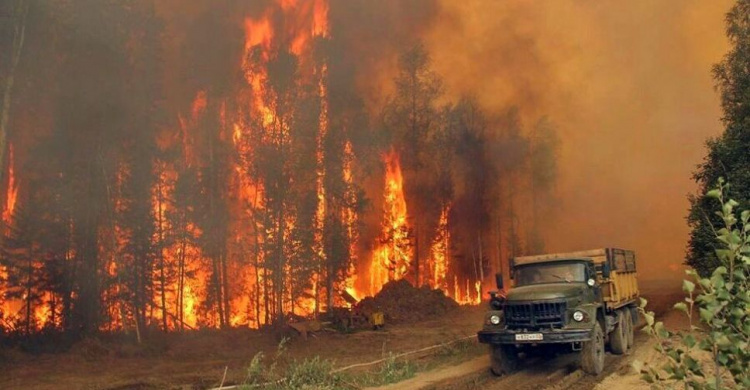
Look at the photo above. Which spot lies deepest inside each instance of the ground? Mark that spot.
(559, 372)
(198, 360)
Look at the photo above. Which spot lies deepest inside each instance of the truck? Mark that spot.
(578, 302)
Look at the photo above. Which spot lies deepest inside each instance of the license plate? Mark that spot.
(529, 337)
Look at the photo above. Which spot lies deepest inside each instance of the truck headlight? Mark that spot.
(494, 319)
(578, 315)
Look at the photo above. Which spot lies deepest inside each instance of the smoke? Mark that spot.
(628, 85)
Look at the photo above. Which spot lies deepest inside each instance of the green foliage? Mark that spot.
(728, 155)
(394, 370)
(312, 373)
(317, 373)
(723, 303)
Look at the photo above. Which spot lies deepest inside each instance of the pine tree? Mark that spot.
(20, 259)
(412, 117)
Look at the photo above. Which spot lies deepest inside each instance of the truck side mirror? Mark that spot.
(499, 280)
(606, 270)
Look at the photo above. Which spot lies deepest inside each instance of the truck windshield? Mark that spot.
(550, 273)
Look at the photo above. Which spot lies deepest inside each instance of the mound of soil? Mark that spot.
(402, 302)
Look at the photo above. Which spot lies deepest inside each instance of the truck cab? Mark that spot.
(575, 302)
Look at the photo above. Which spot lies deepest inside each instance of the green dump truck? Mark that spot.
(576, 302)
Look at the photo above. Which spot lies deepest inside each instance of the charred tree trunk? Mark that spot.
(160, 249)
(416, 255)
(266, 296)
(279, 271)
(21, 9)
(29, 283)
(225, 288)
(214, 243)
(70, 276)
(181, 281)
(256, 257)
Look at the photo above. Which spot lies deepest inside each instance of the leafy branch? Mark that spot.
(723, 304)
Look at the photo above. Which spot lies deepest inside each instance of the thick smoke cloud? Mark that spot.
(628, 85)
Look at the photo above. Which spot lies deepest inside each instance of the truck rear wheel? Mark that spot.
(618, 339)
(629, 333)
(592, 352)
(503, 359)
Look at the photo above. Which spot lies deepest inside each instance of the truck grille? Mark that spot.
(535, 315)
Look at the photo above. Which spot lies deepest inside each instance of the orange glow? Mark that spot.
(12, 189)
(439, 252)
(392, 258)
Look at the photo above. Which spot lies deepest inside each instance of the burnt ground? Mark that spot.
(197, 360)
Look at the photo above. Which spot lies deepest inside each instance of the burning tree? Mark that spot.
(221, 168)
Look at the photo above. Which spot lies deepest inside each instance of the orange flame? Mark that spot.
(439, 252)
(12, 189)
(391, 259)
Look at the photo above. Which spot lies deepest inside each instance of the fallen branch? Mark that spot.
(221, 385)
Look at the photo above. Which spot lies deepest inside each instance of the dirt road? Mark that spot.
(551, 373)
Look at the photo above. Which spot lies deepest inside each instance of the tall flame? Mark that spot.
(392, 258)
(11, 195)
(439, 252)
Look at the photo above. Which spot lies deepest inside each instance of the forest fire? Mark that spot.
(268, 195)
(240, 193)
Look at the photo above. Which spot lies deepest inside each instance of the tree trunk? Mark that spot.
(416, 255)
(225, 288)
(19, 36)
(181, 281)
(481, 264)
(29, 281)
(266, 296)
(279, 277)
(160, 248)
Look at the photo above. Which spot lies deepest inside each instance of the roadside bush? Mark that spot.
(314, 373)
(723, 303)
(394, 370)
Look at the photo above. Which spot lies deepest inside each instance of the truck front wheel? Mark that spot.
(504, 359)
(592, 352)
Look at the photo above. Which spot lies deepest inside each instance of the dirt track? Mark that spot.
(554, 373)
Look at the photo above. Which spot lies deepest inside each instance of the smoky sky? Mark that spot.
(627, 84)
(629, 87)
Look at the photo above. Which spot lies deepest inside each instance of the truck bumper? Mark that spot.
(548, 336)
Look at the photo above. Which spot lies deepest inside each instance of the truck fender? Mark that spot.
(604, 322)
(591, 310)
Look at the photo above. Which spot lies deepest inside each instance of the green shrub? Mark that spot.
(723, 303)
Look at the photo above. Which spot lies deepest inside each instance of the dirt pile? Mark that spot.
(402, 302)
